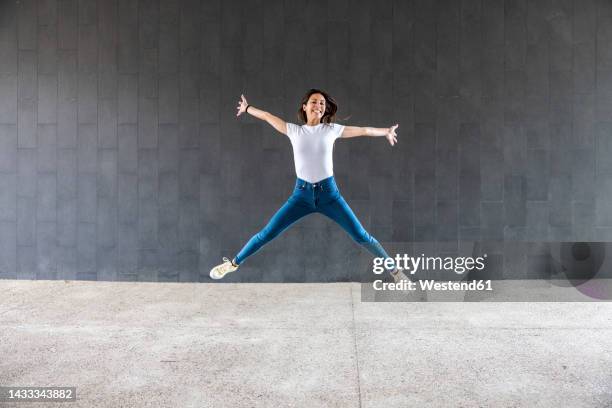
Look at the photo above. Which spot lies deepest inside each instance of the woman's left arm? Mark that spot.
(389, 133)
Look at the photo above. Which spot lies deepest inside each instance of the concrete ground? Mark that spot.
(124, 344)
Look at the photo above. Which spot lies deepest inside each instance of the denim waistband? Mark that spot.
(324, 184)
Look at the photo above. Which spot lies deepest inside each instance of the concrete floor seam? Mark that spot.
(355, 344)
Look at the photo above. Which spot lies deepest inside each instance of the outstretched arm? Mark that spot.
(354, 131)
(276, 122)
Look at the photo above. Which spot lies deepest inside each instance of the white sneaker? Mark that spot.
(398, 275)
(223, 269)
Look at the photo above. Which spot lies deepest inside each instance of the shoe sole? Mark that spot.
(217, 277)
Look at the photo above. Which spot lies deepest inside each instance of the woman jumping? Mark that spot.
(315, 188)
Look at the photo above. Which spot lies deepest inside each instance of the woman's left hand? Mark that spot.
(391, 136)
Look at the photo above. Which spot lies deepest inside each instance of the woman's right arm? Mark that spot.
(276, 122)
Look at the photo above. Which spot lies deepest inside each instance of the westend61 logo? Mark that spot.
(411, 264)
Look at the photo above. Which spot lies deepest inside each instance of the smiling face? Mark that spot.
(314, 108)
(317, 106)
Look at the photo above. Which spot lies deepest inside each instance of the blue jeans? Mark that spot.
(322, 197)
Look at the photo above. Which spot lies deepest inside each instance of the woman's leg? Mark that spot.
(289, 213)
(339, 211)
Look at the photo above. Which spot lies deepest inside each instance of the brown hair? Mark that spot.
(331, 107)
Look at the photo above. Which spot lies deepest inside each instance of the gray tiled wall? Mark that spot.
(121, 157)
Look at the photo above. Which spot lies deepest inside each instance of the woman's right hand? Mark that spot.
(242, 105)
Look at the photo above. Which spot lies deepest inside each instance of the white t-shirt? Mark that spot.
(313, 149)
